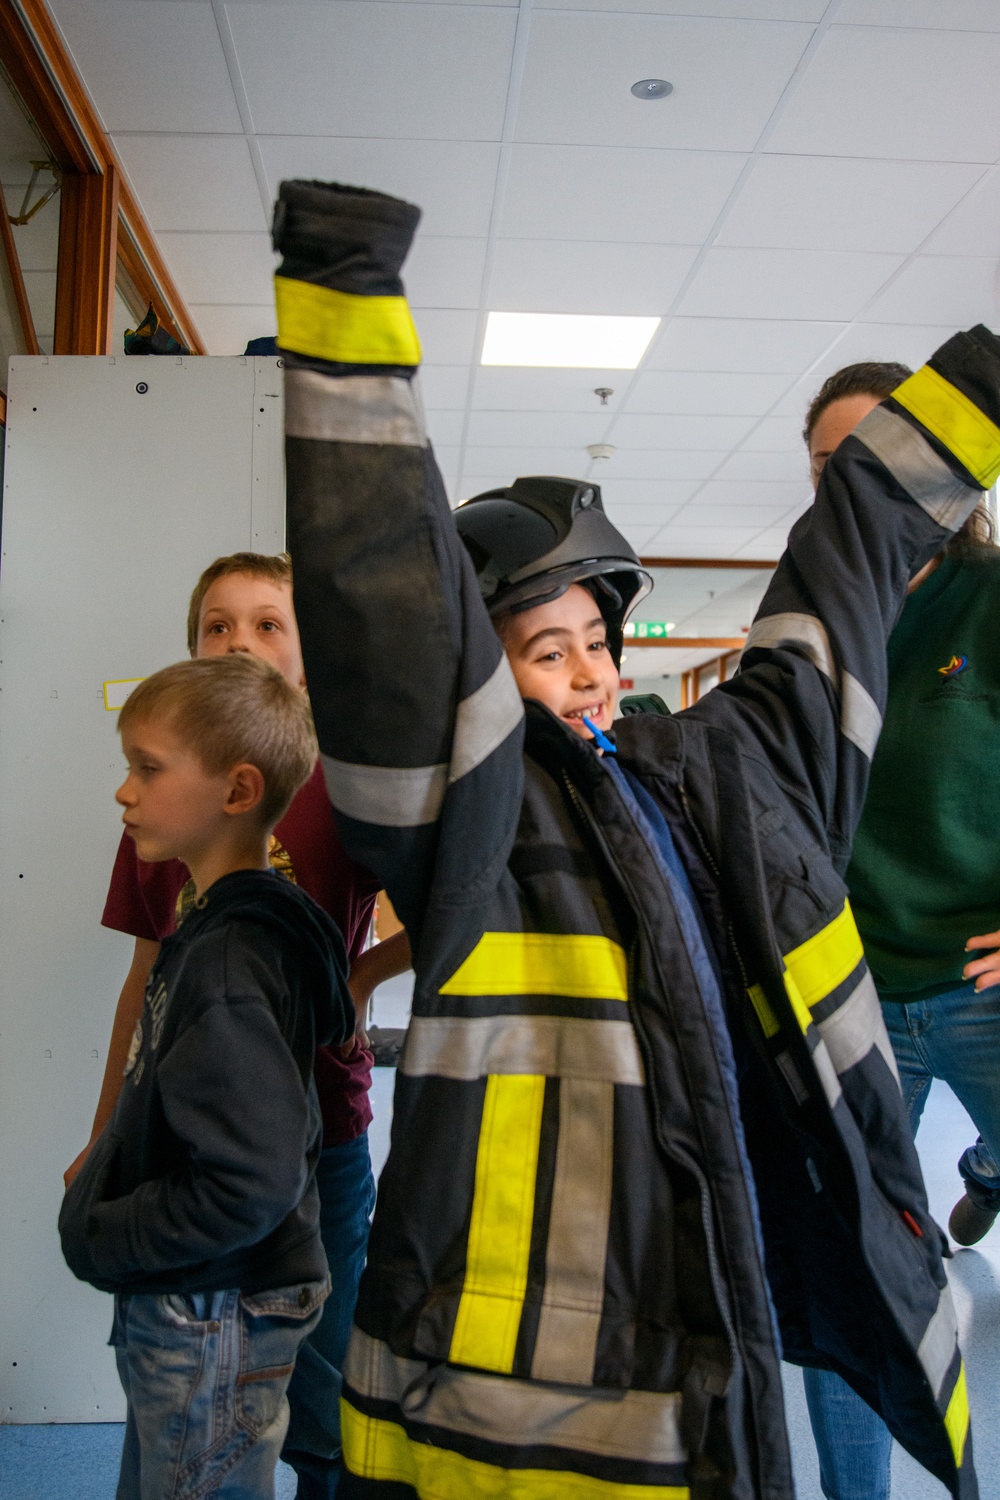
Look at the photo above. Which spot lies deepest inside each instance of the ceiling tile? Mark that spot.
(953, 290)
(623, 514)
(755, 10)
(752, 492)
(973, 228)
(916, 95)
(829, 203)
(604, 193)
(908, 345)
(726, 516)
(648, 464)
(452, 181)
(668, 494)
(679, 432)
(444, 272)
(705, 393)
(752, 344)
(957, 15)
(555, 276)
(502, 388)
(677, 539)
(775, 435)
(638, 536)
(193, 182)
(369, 69)
(151, 67)
(235, 268)
(445, 427)
(727, 77)
(769, 543)
(447, 336)
(483, 464)
(812, 284)
(228, 330)
(444, 387)
(535, 429)
(793, 468)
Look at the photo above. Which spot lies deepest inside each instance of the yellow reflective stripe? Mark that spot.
(376, 1449)
(956, 1418)
(824, 961)
(542, 963)
(343, 327)
(799, 1006)
(765, 1015)
(949, 414)
(496, 1268)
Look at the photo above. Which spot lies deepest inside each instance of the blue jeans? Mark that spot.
(205, 1376)
(347, 1198)
(954, 1036)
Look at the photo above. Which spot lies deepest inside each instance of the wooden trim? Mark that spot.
(689, 642)
(706, 562)
(44, 74)
(17, 280)
(149, 276)
(85, 280)
(686, 687)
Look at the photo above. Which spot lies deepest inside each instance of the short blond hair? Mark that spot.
(233, 709)
(275, 568)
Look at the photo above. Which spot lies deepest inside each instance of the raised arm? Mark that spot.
(418, 718)
(811, 689)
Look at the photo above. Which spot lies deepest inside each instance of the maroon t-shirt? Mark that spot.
(142, 901)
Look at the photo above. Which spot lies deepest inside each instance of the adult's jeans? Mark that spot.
(954, 1036)
(205, 1376)
(347, 1199)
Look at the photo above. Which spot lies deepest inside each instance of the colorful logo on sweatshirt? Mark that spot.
(955, 666)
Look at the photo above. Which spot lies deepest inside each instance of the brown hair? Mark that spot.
(276, 569)
(233, 709)
(878, 378)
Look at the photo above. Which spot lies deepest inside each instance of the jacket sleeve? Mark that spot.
(811, 689)
(418, 717)
(246, 1154)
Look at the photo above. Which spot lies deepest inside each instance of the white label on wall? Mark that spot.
(117, 691)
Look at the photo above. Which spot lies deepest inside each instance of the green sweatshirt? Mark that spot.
(925, 875)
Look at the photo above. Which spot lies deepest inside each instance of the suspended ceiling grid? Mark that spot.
(820, 187)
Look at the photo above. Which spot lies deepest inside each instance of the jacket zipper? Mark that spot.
(694, 1167)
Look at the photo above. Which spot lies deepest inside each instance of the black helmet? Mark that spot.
(530, 542)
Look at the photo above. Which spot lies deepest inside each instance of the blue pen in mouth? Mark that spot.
(600, 738)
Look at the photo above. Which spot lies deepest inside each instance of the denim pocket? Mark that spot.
(273, 1324)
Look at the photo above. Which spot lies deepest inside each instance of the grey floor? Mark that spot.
(81, 1462)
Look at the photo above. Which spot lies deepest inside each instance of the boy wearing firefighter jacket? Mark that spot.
(646, 1105)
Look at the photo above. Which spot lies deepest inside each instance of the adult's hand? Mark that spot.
(370, 969)
(985, 971)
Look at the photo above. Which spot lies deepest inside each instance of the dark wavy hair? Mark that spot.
(877, 378)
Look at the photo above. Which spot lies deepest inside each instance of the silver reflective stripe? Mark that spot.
(860, 720)
(388, 796)
(354, 409)
(827, 1073)
(939, 1343)
(805, 631)
(912, 462)
(639, 1425)
(465, 1047)
(853, 1030)
(484, 720)
(566, 1342)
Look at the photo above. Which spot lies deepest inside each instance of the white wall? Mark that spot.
(113, 503)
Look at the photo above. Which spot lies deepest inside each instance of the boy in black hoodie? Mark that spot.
(197, 1205)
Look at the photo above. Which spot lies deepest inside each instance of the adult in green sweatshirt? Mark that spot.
(924, 878)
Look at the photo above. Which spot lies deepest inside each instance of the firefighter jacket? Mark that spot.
(604, 1189)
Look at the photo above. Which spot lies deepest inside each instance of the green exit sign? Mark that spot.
(644, 630)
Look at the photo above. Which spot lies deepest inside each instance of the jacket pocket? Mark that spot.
(90, 1189)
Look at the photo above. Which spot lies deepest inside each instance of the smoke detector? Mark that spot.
(601, 450)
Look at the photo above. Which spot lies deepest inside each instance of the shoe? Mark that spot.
(968, 1223)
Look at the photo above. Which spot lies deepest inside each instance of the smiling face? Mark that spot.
(559, 655)
(243, 613)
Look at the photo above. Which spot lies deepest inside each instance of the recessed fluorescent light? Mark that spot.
(569, 341)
